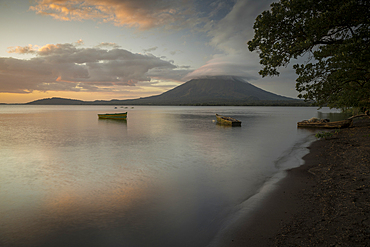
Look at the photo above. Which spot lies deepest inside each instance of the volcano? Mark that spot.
(214, 90)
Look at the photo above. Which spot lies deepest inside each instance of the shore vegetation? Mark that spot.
(330, 42)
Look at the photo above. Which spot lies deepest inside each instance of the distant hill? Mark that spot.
(220, 90)
(57, 101)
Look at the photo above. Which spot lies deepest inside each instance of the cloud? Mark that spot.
(143, 14)
(164, 74)
(225, 65)
(69, 67)
(176, 52)
(231, 34)
(228, 25)
(21, 50)
(151, 49)
(108, 45)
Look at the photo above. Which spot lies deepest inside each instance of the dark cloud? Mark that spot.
(68, 67)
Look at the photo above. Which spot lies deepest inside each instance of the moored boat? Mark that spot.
(228, 121)
(119, 116)
(327, 125)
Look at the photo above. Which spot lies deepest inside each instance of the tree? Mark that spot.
(331, 35)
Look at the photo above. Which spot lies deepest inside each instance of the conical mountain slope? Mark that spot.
(214, 90)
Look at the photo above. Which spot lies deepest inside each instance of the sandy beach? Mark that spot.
(325, 202)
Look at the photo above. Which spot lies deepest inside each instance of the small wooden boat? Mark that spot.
(327, 125)
(119, 116)
(228, 121)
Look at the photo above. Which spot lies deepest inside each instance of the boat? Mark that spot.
(119, 116)
(327, 125)
(228, 121)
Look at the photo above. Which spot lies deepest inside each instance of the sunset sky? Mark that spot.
(125, 49)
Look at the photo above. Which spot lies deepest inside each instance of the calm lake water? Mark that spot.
(168, 176)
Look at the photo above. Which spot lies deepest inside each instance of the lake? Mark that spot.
(168, 176)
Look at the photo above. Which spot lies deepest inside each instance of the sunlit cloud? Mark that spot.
(143, 14)
(22, 50)
(69, 67)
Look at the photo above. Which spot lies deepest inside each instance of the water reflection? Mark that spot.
(168, 176)
(113, 121)
(333, 116)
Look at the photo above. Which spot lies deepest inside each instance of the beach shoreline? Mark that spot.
(324, 202)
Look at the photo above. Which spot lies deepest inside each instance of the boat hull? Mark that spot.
(118, 116)
(228, 121)
(330, 125)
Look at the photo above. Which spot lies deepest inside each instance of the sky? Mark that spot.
(126, 49)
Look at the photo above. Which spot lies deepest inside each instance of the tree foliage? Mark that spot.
(332, 35)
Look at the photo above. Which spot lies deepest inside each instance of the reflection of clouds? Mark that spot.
(74, 216)
(51, 196)
(83, 200)
(172, 173)
(96, 205)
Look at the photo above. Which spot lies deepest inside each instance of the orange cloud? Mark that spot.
(67, 10)
(143, 14)
(52, 49)
(21, 50)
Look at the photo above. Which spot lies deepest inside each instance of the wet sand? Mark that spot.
(325, 202)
